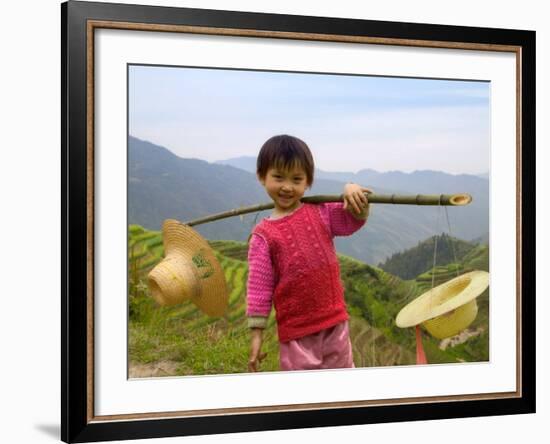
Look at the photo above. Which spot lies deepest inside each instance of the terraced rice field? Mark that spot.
(180, 340)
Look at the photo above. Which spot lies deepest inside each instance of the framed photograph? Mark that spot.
(401, 154)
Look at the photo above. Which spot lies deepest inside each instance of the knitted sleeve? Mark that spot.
(260, 283)
(339, 221)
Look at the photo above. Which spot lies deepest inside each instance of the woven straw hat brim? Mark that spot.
(189, 258)
(444, 298)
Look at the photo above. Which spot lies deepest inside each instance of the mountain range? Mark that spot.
(162, 185)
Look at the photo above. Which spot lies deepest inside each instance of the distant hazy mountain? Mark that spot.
(484, 175)
(468, 222)
(422, 181)
(246, 163)
(162, 185)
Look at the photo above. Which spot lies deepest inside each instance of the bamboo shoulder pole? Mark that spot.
(396, 199)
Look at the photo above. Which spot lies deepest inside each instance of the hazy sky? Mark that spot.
(349, 122)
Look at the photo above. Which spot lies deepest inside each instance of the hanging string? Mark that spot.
(434, 260)
(437, 230)
(252, 227)
(255, 219)
(420, 353)
(451, 243)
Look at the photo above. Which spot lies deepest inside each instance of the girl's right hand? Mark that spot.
(256, 356)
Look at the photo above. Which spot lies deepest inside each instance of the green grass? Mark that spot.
(198, 343)
(202, 345)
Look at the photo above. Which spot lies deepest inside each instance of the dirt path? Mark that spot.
(153, 370)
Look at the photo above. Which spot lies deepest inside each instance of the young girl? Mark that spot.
(293, 264)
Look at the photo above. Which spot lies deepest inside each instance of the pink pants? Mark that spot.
(329, 348)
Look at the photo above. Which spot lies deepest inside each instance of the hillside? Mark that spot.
(414, 261)
(180, 340)
(469, 223)
(162, 185)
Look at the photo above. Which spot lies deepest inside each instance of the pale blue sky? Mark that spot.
(349, 122)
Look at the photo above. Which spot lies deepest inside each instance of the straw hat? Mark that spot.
(189, 271)
(447, 309)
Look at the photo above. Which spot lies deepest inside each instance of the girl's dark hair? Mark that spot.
(285, 152)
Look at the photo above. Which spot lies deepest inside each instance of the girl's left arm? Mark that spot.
(338, 221)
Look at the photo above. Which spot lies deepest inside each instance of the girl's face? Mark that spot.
(285, 187)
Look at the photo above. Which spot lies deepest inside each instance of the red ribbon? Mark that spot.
(420, 355)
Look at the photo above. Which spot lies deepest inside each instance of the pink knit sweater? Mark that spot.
(261, 275)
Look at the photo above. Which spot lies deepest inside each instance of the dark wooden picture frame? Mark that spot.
(79, 22)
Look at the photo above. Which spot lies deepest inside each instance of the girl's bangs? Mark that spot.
(288, 164)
